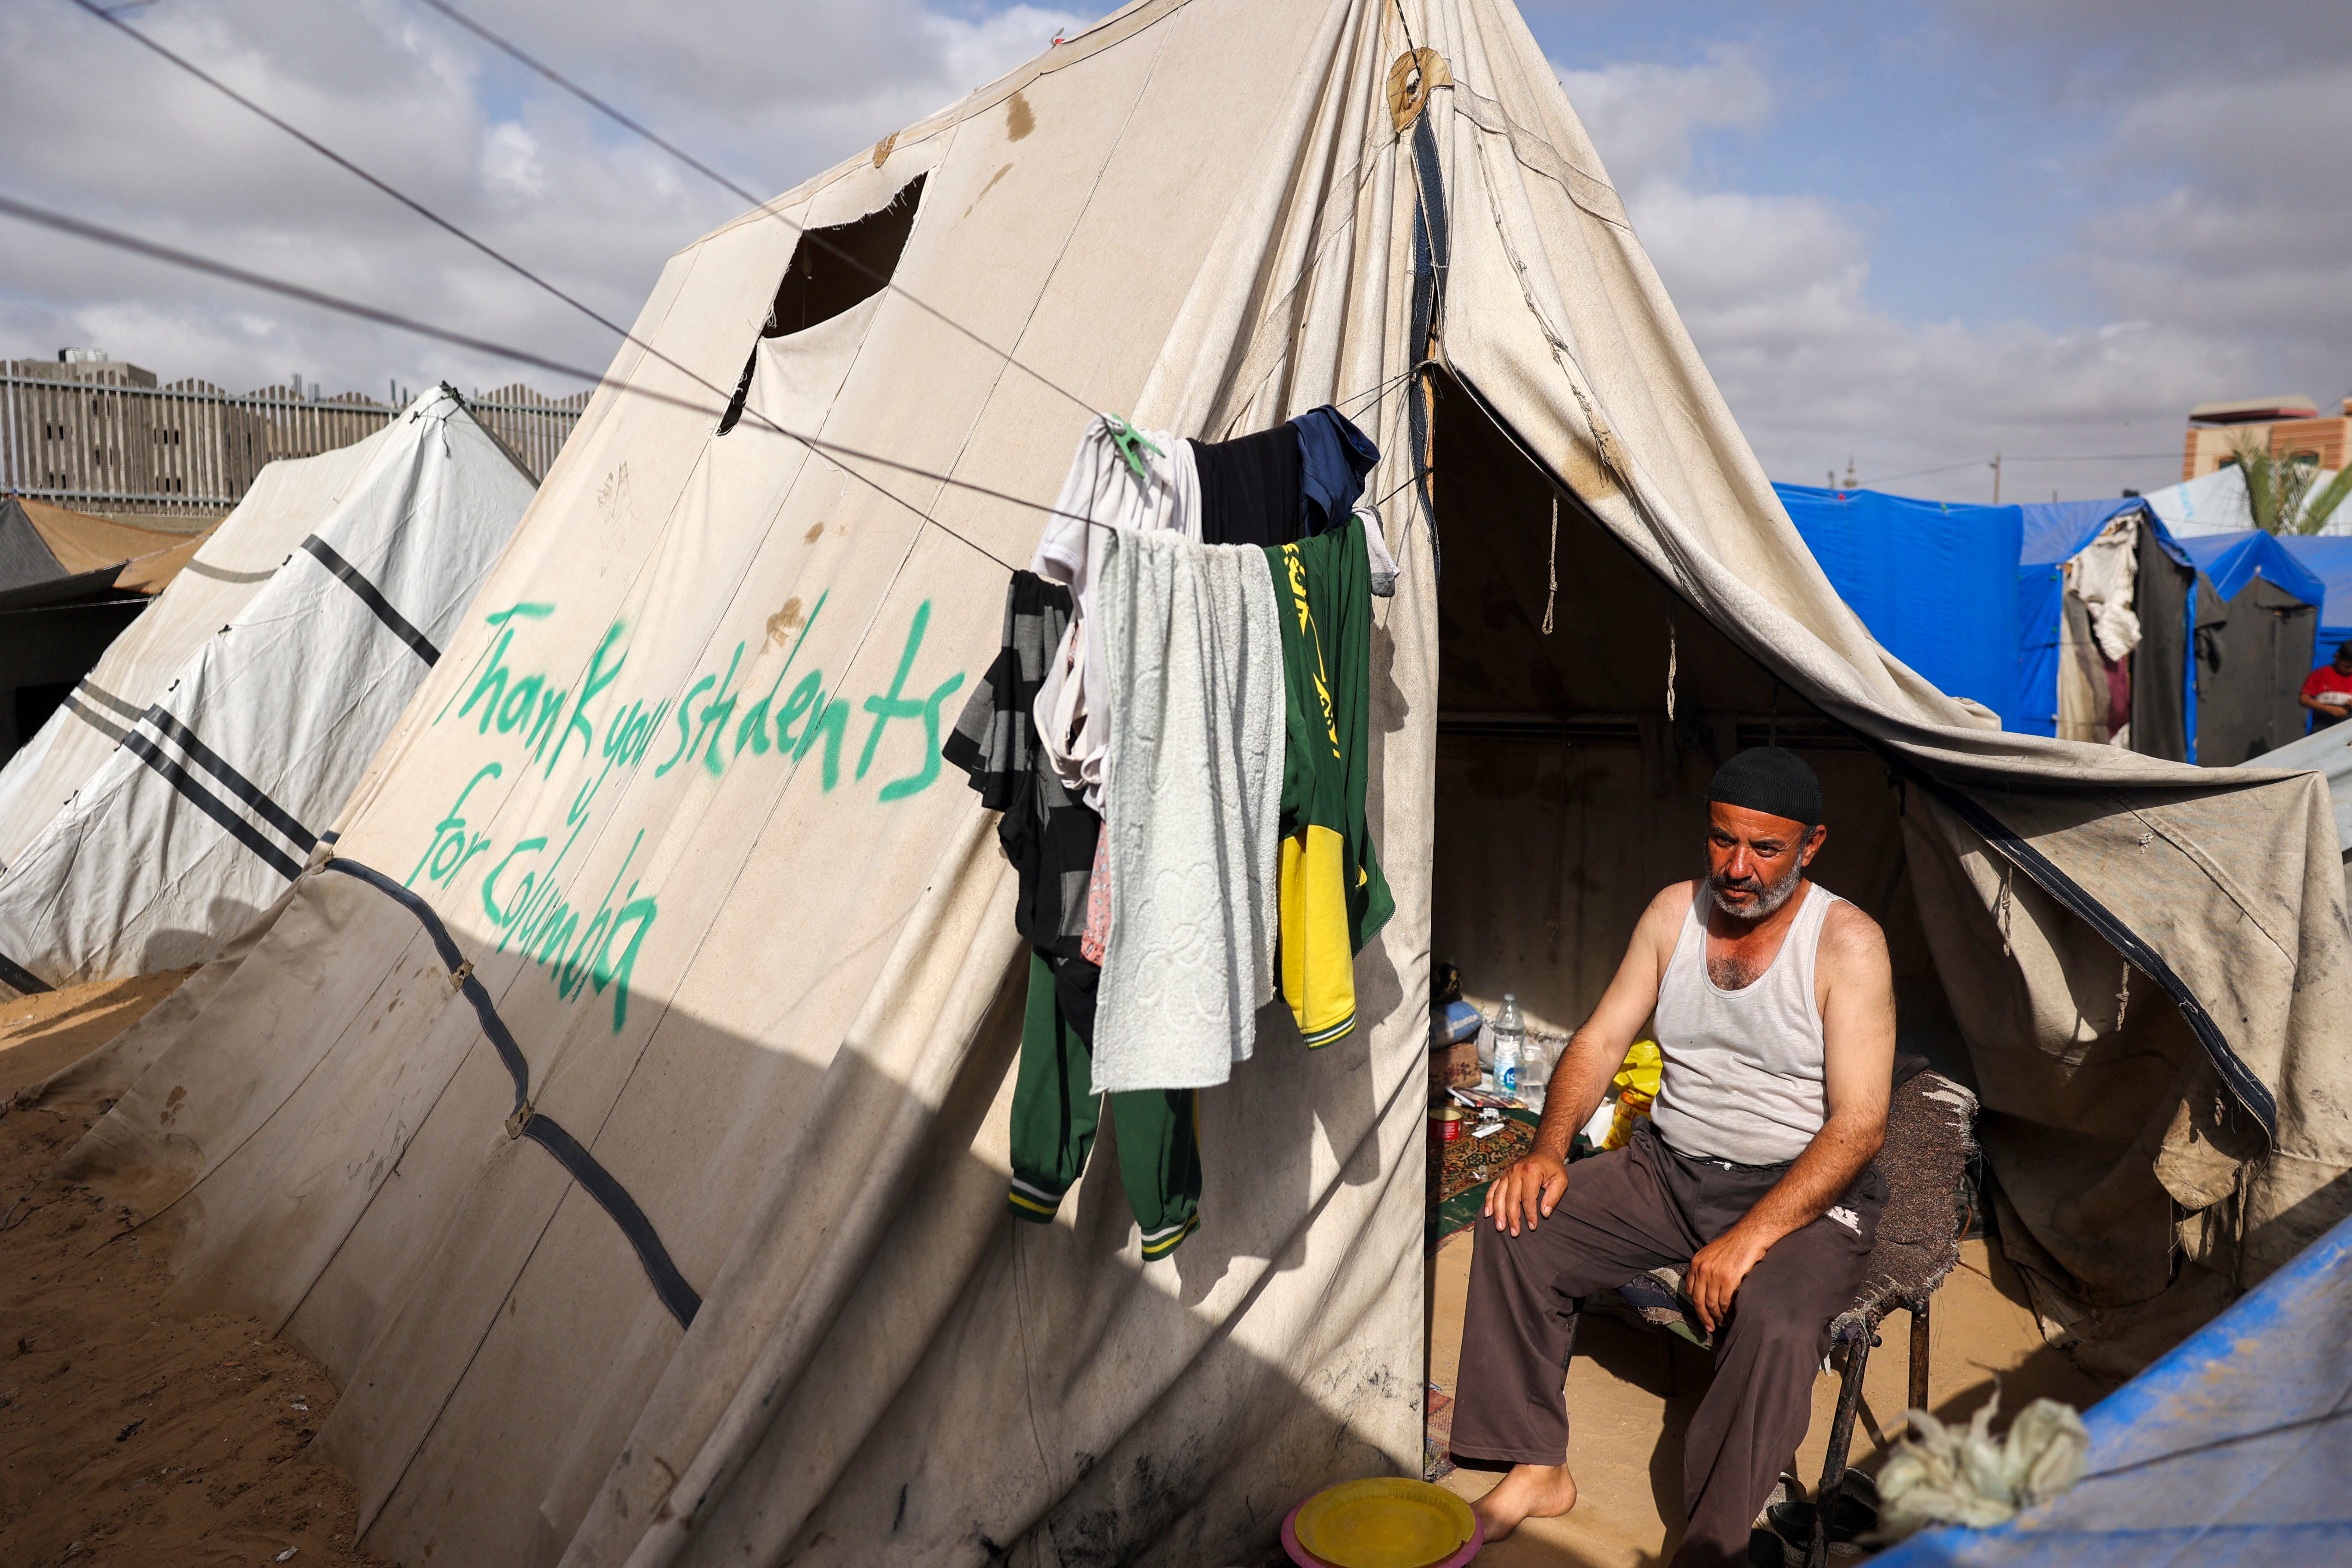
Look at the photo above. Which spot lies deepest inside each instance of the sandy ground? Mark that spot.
(134, 1436)
(129, 1435)
(1630, 1391)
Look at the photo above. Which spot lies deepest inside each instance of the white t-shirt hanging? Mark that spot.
(1101, 489)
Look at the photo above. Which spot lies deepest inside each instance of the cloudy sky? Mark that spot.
(1904, 235)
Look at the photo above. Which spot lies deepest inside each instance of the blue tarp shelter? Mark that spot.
(2233, 559)
(2258, 617)
(2327, 557)
(1935, 582)
(2054, 535)
(2235, 1448)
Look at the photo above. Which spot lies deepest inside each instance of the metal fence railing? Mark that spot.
(110, 445)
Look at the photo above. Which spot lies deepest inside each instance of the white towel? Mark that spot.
(1100, 488)
(1192, 646)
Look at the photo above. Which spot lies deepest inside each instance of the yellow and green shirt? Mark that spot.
(1333, 897)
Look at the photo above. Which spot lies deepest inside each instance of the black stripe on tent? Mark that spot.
(212, 805)
(2252, 1092)
(244, 788)
(14, 973)
(89, 690)
(94, 719)
(494, 1026)
(598, 1183)
(372, 597)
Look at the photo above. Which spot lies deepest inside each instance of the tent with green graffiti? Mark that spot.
(618, 1108)
(178, 790)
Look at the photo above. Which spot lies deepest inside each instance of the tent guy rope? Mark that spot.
(816, 237)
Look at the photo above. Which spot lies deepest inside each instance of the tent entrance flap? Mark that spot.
(1566, 797)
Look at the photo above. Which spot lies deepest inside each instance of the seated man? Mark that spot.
(1775, 1010)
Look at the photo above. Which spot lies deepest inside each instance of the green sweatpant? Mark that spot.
(1054, 1112)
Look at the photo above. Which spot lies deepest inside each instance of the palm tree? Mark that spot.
(2279, 490)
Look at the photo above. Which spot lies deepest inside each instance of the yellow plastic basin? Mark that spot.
(1386, 1523)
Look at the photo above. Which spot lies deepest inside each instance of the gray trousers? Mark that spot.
(1626, 1212)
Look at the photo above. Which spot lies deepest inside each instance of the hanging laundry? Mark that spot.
(1333, 896)
(1096, 940)
(1103, 491)
(1334, 458)
(1049, 838)
(1056, 1108)
(1376, 552)
(1250, 491)
(1193, 643)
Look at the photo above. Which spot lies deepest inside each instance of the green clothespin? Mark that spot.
(1126, 438)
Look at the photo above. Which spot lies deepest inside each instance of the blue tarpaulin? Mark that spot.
(2054, 535)
(1935, 583)
(2329, 557)
(2233, 559)
(2233, 1451)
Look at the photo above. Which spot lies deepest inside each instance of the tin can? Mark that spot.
(1445, 1124)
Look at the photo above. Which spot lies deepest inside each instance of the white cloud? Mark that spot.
(1775, 291)
(1645, 119)
(768, 90)
(510, 165)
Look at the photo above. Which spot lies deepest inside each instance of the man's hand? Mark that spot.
(1716, 1270)
(1526, 1193)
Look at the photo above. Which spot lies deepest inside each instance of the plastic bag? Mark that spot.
(1635, 1089)
(1946, 1476)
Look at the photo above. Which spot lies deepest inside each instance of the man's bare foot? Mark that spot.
(1529, 1491)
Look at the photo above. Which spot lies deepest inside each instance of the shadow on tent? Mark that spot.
(872, 1438)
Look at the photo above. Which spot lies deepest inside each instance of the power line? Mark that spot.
(2098, 457)
(816, 237)
(1987, 462)
(312, 143)
(1921, 473)
(97, 234)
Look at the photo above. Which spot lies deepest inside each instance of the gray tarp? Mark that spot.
(743, 1287)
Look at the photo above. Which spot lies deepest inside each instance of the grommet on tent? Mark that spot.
(519, 1120)
(1416, 74)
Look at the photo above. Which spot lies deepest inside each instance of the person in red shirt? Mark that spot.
(2327, 691)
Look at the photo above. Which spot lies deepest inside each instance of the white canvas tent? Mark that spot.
(619, 1109)
(2217, 503)
(180, 787)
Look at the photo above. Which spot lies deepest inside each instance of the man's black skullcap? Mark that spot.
(1770, 779)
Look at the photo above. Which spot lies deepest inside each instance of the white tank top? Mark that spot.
(1743, 1069)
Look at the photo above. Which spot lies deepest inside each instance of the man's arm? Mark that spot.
(1532, 1187)
(1858, 1073)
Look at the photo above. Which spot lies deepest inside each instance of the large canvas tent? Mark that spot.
(618, 1106)
(287, 500)
(193, 770)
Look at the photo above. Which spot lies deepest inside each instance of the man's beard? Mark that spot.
(1767, 896)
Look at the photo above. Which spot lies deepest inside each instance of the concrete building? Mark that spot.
(2285, 426)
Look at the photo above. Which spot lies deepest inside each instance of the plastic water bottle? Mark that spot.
(1510, 1044)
